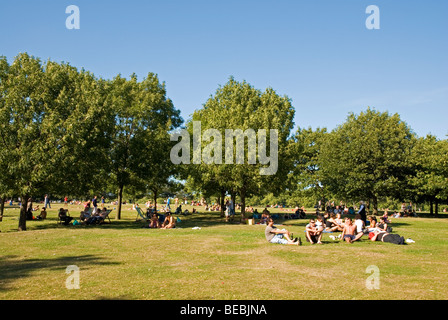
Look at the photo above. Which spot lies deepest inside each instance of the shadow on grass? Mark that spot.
(113, 224)
(198, 219)
(13, 268)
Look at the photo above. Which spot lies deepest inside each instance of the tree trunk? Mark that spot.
(154, 191)
(322, 203)
(437, 206)
(375, 205)
(233, 197)
(223, 194)
(243, 204)
(22, 217)
(2, 207)
(120, 200)
(431, 209)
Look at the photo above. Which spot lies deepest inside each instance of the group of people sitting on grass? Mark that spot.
(166, 221)
(96, 216)
(351, 230)
(298, 213)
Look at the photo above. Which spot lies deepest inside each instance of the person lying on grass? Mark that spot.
(283, 236)
(384, 236)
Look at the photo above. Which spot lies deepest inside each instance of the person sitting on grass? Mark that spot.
(320, 223)
(386, 216)
(382, 225)
(338, 222)
(154, 222)
(264, 216)
(300, 213)
(43, 214)
(330, 223)
(350, 234)
(372, 224)
(97, 217)
(360, 225)
(170, 221)
(313, 235)
(86, 213)
(64, 216)
(275, 235)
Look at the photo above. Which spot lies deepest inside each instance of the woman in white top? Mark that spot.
(360, 226)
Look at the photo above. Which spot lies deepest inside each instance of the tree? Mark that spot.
(141, 111)
(156, 171)
(306, 175)
(47, 123)
(262, 118)
(81, 126)
(7, 177)
(368, 156)
(24, 127)
(430, 181)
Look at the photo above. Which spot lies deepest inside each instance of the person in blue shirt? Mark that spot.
(168, 203)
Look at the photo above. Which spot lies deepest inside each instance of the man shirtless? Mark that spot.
(349, 233)
(170, 222)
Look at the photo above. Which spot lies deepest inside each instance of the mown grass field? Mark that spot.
(220, 261)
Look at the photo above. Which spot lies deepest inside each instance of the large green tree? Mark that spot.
(430, 181)
(81, 127)
(6, 175)
(143, 116)
(47, 124)
(306, 176)
(52, 125)
(367, 157)
(251, 163)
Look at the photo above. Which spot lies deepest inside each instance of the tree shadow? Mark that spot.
(52, 223)
(13, 268)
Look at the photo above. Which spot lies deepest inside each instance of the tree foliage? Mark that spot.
(65, 132)
(239, 106)
(368, 156)
(139, 148)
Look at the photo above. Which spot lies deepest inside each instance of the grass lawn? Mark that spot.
(122, 260)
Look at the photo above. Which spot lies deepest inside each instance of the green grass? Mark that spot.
(222, 260)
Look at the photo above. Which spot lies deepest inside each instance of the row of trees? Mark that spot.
(65, 132)
(372, 156)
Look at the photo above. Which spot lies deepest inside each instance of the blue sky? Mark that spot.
(317, 52)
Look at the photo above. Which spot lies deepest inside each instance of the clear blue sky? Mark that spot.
(317, 52)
